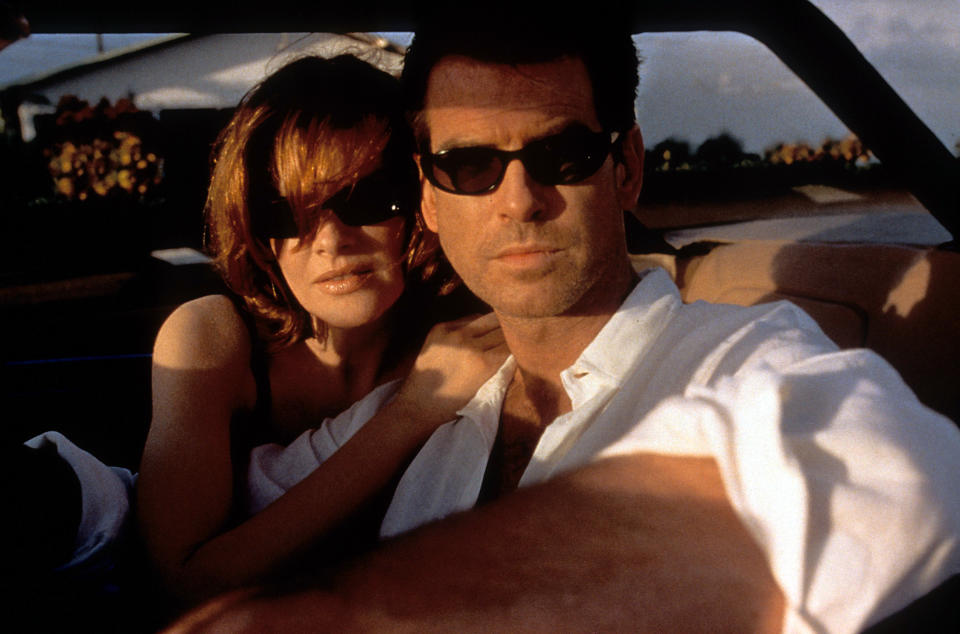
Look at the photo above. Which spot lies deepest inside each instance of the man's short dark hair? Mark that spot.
(608, 53)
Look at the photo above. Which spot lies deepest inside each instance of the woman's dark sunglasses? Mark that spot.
(562, 159)
(385, 194)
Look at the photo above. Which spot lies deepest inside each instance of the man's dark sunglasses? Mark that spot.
(562, 159)
(385, 194)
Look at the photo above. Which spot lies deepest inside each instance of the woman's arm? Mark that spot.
(186, 481)
(201, 379)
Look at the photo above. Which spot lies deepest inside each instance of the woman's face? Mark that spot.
(346, 276)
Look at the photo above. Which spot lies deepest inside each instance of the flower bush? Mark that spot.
(849, 151)
(103, 151)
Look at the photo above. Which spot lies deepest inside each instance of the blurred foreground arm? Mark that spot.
(641, 542)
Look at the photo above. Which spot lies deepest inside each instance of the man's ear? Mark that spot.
(428, 202)
(629, 170)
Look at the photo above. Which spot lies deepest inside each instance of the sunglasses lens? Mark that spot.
(563, 159)
(372, 200)
(375, 199)
(566, 158)
(470, 170)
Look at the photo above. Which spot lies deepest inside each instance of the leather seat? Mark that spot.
(901, 302)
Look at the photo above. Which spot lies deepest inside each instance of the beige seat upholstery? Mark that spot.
(902, 302)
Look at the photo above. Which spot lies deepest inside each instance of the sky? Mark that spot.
(698, 85)
(691, 82)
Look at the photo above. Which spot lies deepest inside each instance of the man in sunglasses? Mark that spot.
(639, 464)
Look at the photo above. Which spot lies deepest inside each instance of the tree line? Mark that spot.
(720, 168)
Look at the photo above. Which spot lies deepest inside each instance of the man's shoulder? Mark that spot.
(654, 331)
(773, 315)
(714, 321)
(699, 341)
(776, 328)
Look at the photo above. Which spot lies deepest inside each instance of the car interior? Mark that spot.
(901, 300)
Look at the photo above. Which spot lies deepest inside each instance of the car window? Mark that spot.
(734, 136)
(699, 85)
(916, 47)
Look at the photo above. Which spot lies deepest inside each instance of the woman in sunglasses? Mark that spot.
(312, 223)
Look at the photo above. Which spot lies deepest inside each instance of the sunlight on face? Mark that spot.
(527, 249)
(346, 276)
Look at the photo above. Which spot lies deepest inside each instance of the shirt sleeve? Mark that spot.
(843, 477)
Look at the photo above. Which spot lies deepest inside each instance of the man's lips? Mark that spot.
(521, 250)
(527, 259)
(526, 256)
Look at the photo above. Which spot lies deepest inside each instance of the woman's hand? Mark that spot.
(455, 360)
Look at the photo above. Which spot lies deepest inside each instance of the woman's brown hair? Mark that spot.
(308, 130)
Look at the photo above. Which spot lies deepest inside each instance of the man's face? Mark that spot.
(527, 249)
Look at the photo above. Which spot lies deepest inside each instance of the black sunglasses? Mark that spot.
(385, 194)
(561, 159)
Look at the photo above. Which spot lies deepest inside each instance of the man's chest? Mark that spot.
(524, 416)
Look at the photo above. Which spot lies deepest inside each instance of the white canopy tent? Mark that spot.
(188, 71)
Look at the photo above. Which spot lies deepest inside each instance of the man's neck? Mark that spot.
(535, 397)
(545, 346)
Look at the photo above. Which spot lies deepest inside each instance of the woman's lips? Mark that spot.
(343, 281)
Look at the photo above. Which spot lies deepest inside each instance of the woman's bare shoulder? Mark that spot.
(204, 332)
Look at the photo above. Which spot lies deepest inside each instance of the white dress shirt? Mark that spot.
(844, 479)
